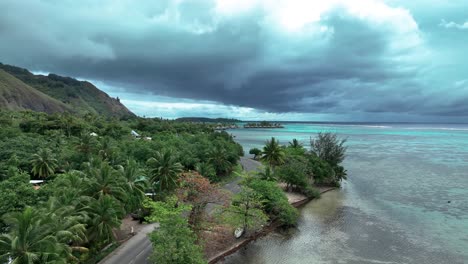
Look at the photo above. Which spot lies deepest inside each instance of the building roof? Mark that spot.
(36, 181)
(134, 133)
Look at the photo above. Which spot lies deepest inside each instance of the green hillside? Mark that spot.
(16, 95)
(77, 96)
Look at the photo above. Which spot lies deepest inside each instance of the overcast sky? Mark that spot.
(337, 60)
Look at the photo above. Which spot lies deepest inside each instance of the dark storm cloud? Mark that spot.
(351, 58)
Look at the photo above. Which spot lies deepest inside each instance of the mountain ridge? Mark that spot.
(56, 94)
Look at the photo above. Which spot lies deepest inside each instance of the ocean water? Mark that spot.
(394, 208)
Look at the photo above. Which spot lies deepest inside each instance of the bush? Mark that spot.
(311, 192)
(328, 147)
(207, 171)
(256, 152)
(274, 200)
(288, 214)
(321, 170)
(293, 173)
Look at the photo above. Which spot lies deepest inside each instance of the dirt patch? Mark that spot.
(127, 229)
(218, 239)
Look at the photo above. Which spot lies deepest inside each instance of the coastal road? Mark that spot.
(136, 250)
(248, 165)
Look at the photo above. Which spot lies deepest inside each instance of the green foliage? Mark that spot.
(294, 151)
(163, 210)
(295, 144)
(96, 174)
(272, 152)
(246, 210)
(267, 174)
(104, 215)
(164, 170)
(293, 173)
(15, 194)
(311, 192)
(175, 243)
(34, 238)
(274, 201)
(207, 170)
(321, 170)
(135, 184)
(219, 159)
(256, 152)
(328, 147)
(43, 163)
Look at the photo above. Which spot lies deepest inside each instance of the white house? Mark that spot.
(135, 134)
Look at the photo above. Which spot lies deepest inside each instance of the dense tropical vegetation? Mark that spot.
(95, 174)
(300, 168)
(96, 171)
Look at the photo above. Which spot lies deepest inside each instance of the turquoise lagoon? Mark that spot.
(406, 199)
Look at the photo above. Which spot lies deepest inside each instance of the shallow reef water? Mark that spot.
(406, 199)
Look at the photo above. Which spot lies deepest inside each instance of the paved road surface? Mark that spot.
(134, 251)
(248, 165)
(138, 248)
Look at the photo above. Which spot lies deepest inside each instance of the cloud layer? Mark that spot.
(364, 58)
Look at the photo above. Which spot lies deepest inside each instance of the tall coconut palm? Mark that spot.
(267, 175)
(86, 145)
(135, 184)
(106, 149)
(43, 163)
(67, 224)
(105, 181)
(295, 144)
(31, 240)
(164, 170)
(219, 158)
(272, 153)
(70, 188)
(104, 216)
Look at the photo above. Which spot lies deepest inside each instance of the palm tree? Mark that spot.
(106, 148)
(104, 217)
(67, 223)
(164, 170)
(206, 170)
(267, 175)
(272, 153)
(219, 158)
(30, 240)
(43, 163)
(86, 144)
(295, 144)
(105, 181)
(135, 183)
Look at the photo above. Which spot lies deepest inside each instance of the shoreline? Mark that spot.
(264, 231)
